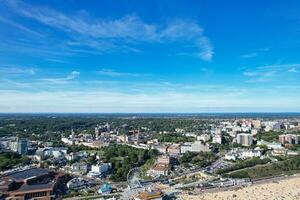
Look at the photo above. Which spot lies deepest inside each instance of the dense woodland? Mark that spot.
(10, 159)
(201, 159)
(285, 167)
(244, 164)
(124, 158)
(43, 127)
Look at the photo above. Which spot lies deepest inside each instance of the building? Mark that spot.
(218, 139)
(22, 146)
(254, 132)
(289, 139)
(161, 167)
(174, 149)
(105, 189)
(81, 168)
(55, 152)
(244, 139)
(160, 148)
(256, 124)
(34, 183)
(270, 145)
(123, 138)
(68, 141)
(9, 143)
(279, 152)
(164, 159)
(239, 153)
(204, 137)
(216, 131)
(101, 168)
(80, 183)
(150, 195)
(196, 146)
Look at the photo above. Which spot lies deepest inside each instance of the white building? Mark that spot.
(218, 139)
(101, 168)
(238, 153)
(270, 145)
(197, 146)
(68, 141)
(204, 137)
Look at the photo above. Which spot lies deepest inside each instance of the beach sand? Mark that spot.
(288, 189)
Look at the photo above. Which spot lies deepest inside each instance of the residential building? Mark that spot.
(101, 168)
(22, 146)
(164, 160)
(244, 139)
(159, 169)
(196, 146)
(174, 149)
(238, 153)
(289, 139)
(218, 139)
(81, 168)
(204, 137)
(256, 124)
(270, 145)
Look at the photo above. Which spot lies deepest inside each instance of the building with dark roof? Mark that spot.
(34, 183)
(29, 174)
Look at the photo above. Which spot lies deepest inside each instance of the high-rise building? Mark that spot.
(244, 139)
(22, 146)
(289, 138)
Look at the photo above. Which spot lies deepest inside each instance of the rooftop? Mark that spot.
(25, 187)
(148, 195)
(29, 173)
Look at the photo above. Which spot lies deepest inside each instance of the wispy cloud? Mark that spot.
(267, 73)
(113, 73)
(121, 34)
(64, 80)
(255, 54)
(249, 55)
(20, 26)
(293, 70)
(259, 76)
(16, 70)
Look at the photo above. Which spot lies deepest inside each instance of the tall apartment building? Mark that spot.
(244, 139)
(22, 146)
(289, 138)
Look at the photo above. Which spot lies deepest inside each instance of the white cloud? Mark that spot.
(267, 73)
(103, 101)
(16, 70)
(64, 80)
(20, 27)
(255, 54)
(113, 73)
(249, 55)
(119, 33)
(293, 70)
(259, 76)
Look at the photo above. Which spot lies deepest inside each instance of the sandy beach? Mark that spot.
(288, 189)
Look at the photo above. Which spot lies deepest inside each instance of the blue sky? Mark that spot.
(149, 56)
